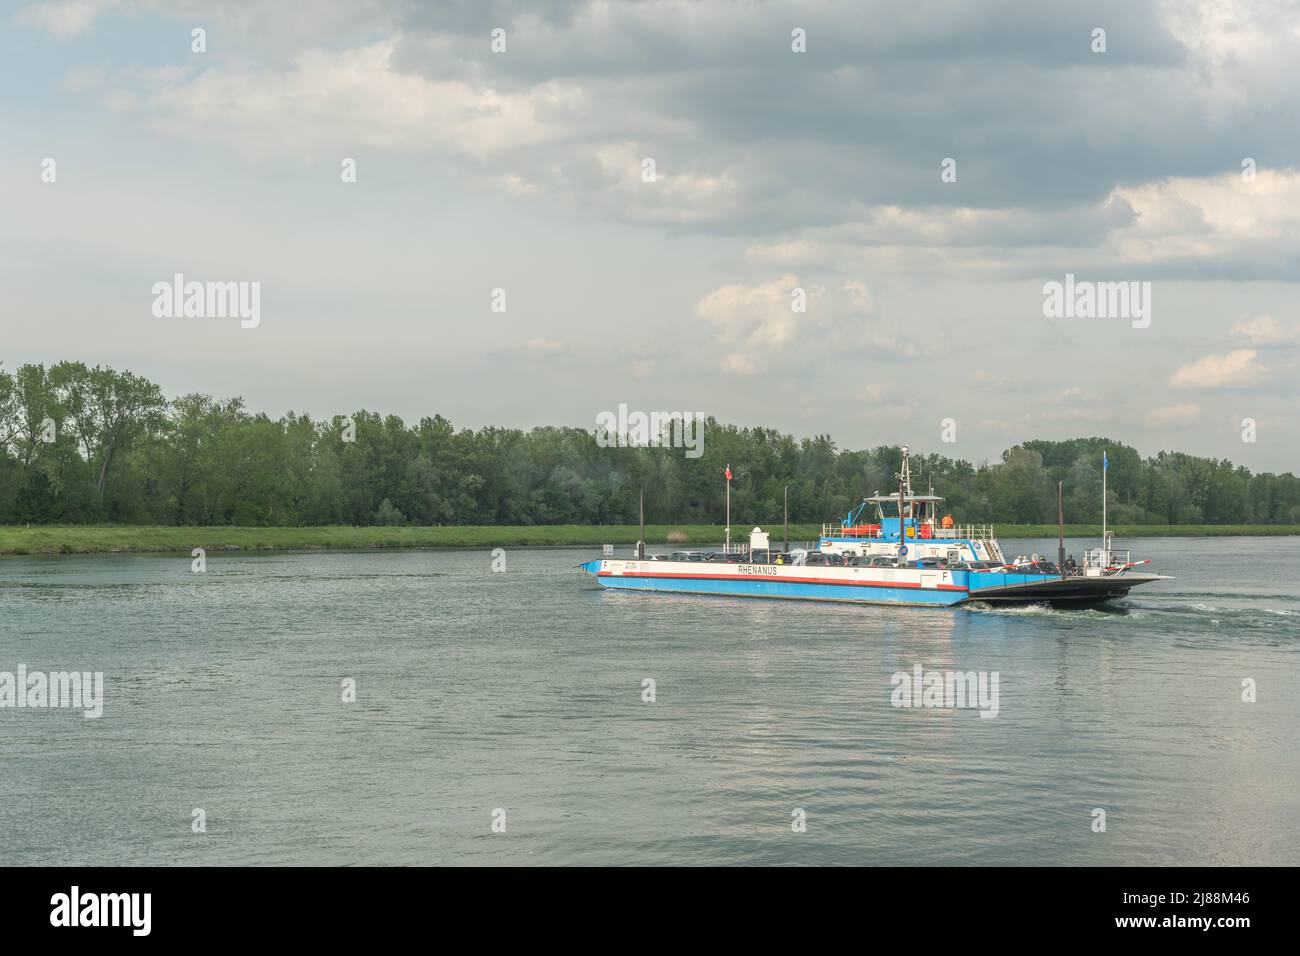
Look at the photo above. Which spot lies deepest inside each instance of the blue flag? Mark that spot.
(1105, 462)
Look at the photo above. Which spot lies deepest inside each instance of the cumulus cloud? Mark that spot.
(357, 98)
(740, 364)
(1216, 225)
(1210, 219)
(64, 19)
(758, 322)
(1105, 169)
(985, 380)
(1266, 330)
(545, 346)
(1182, 414)
(587, 90)
(267, 27)
(1237, 367)
(876, 392)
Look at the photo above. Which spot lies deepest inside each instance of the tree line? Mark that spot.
(90, 445)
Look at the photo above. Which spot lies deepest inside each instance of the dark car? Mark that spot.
(825, 559)
(1034, 567)
(973, 565)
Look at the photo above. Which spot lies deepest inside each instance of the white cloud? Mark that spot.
(896, 412)
(875, 392)
(1071, 394)
(84, 79)
(759, 321)
(517, 185)
(1219, 221)
(1210, 217)
(985, 380)
(1218, 371)
(884, 338)
(120, 101)
(1265, 330)
(65, 19)
(1184, 414)
(262, 26)
(1241, 46)
(545, 346)
(559, 114)
(739, 364)
(357, 97)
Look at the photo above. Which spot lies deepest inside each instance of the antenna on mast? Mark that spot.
(905, 476)
(904, 488)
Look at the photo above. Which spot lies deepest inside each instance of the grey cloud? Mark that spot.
(1010, 90)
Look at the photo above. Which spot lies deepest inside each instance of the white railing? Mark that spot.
(1104, 558)
(837, 531)
(976, 532)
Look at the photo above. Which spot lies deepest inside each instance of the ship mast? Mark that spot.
(904, 488)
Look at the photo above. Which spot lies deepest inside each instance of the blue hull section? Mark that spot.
(771, 588)
(980, 582)
(919, 590)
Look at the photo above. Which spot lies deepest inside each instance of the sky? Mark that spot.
(824, 217)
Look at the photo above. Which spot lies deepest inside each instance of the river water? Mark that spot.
(516, 696)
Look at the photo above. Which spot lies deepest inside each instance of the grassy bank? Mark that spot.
(1148, 530)
(90, 539)
(87, 539)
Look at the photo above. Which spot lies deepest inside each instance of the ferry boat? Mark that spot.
(906, 554)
